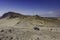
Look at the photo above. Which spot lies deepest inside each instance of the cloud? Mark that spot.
(50, 12)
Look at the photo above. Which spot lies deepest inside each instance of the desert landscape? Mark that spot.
(15, 26)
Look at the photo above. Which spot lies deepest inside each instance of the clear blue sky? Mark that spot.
(47, 8)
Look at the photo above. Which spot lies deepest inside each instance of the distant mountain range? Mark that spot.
(15, 15)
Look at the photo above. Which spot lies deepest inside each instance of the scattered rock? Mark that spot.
(36, 28)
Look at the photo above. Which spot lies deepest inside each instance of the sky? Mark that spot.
(44, 8)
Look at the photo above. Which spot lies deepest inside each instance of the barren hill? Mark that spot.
(15, 26)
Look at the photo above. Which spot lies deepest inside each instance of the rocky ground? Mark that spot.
(19, 27)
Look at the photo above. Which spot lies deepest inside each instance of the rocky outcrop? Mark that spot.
(11, 15)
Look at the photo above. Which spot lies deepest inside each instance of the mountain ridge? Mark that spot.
(15, 15)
